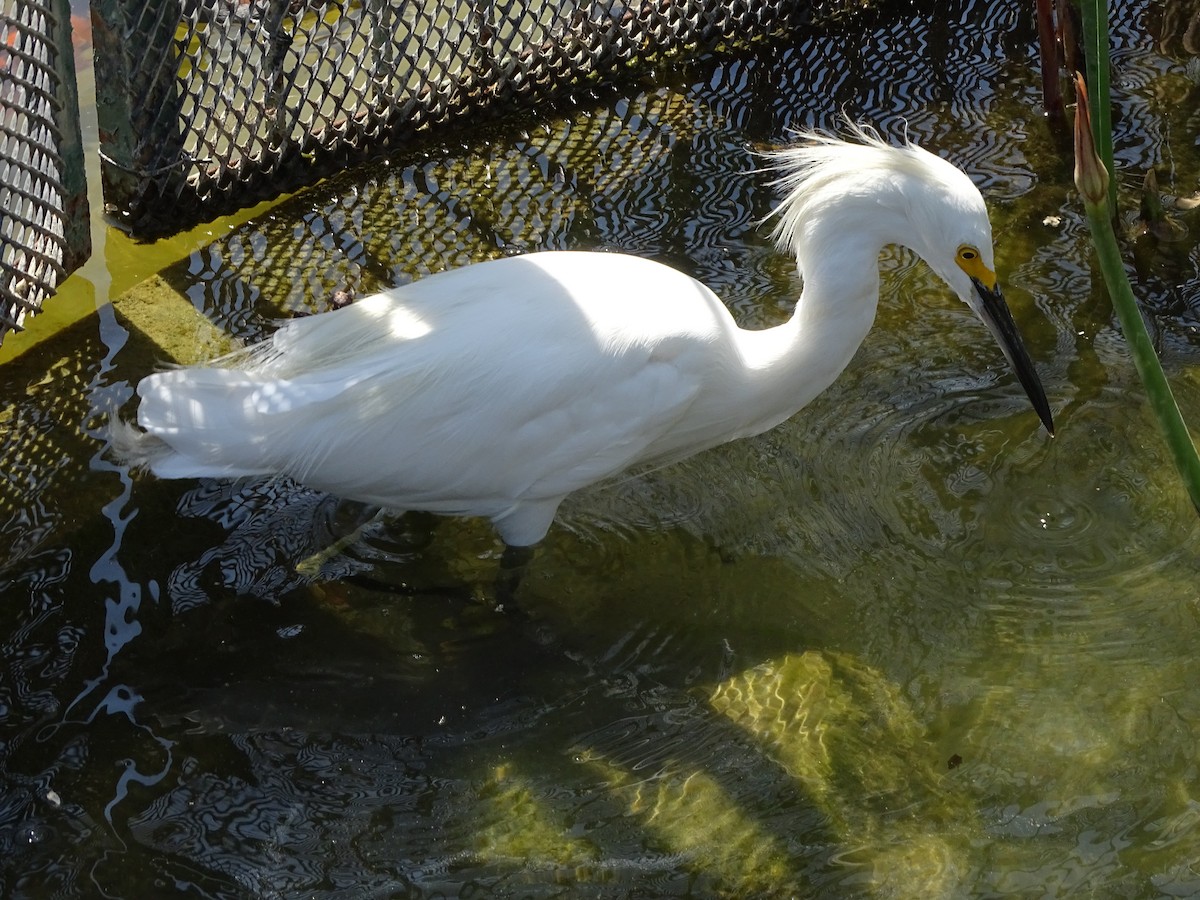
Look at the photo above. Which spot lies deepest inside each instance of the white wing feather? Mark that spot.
(471, 391)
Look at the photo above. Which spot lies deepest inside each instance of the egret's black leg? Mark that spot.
(512, 567)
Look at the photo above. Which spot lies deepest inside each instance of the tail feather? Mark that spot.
(145, 452)
(137, 449)
(217, 422)
(282, 406)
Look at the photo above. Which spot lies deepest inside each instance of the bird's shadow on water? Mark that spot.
(608, 717)
(630, 694)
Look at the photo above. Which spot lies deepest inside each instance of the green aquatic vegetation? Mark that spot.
(846, 734)
(517, 827)
(1094, 184)
(690, 815)
(1096, 60)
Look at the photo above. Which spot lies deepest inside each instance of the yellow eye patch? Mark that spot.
(971, 262)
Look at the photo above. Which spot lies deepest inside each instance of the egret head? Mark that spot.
(953, 235)
(908, 196)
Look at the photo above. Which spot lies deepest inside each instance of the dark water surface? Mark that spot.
(902, 646)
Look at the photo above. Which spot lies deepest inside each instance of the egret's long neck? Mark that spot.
(790, 364)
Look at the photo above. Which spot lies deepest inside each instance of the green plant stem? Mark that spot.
(1162, 401)
(1095, 42)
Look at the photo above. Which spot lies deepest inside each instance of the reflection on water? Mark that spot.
(903, 646)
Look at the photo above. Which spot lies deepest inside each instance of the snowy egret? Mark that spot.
(499, 388)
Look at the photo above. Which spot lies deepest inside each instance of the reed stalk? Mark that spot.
(1094, 184)
(1096, 59)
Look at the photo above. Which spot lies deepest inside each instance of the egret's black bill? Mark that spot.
(995, 315)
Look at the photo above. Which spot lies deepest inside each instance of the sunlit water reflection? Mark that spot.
(904, 645)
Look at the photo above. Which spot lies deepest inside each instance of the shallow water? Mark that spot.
(903, 645)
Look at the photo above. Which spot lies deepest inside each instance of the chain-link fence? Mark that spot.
(214, 102)
(44, 232)
(205, 106)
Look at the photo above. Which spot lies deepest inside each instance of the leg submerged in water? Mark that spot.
(513, 563)
(311, 566)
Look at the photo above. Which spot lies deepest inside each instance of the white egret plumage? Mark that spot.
(499, 388)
